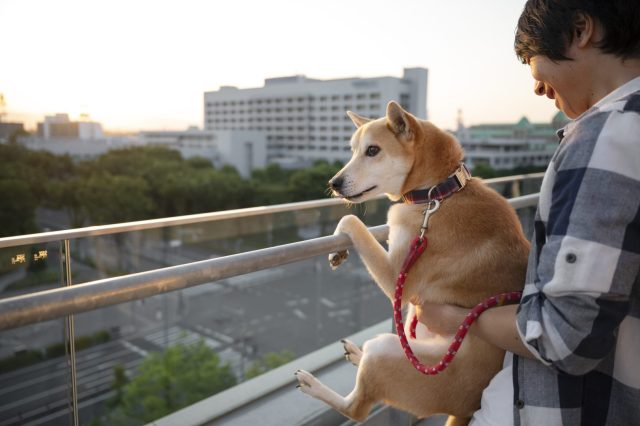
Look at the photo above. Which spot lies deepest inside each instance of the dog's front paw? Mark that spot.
(308, 384)
(335, 259)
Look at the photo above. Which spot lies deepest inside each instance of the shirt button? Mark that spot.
(571, 258)
(519, 404)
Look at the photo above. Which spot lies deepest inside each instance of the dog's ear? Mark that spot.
(358, 120)
(399, 121)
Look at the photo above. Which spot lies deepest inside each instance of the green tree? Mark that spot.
(120, 381)
(17, 210)
(312, 183)
(167, 381)
(267, 362)
(484, 171)
(112, 199)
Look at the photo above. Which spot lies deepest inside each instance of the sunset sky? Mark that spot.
(145, 64)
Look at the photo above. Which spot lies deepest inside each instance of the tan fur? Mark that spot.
(476, 249)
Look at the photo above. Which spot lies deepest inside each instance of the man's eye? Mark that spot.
(372, 151)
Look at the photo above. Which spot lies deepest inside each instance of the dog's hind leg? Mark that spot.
(354, 405)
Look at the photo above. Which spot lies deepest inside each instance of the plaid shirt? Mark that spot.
(580, 312)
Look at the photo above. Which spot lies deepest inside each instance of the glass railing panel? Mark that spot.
(131, 252)
(35, 375)
(25, 269)
(34, 364)
(244, 325)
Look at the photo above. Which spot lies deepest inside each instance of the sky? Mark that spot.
(145, 64)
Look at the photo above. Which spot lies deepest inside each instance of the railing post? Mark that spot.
(70, 344)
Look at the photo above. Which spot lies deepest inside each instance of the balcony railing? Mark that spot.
(139, 315)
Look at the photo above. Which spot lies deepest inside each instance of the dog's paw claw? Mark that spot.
(335, 259)
(352, 352)
(308, 384)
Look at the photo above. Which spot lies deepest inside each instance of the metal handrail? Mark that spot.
(93, 231)
(46, 305)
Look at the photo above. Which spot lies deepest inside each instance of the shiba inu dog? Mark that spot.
(476, 249)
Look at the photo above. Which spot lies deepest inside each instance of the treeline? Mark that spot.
(139, 183)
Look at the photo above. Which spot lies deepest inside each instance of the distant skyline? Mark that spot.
(146, 64)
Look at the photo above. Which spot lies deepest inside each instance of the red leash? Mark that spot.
(418, 246)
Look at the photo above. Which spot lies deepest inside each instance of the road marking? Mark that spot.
(134, 348)
(299, 314)
(340, 313)
(328, 303)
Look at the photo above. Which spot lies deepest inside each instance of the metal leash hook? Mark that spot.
(434, 205)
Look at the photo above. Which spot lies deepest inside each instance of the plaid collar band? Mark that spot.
(454, 183)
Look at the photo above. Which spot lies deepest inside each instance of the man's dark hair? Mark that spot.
(547, 27)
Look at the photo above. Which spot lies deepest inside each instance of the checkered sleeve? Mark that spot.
(587, 253)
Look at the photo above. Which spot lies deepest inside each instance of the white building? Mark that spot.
(75, 147)
(507, 146)
(245, 150)
(59, 126)
(305, 118)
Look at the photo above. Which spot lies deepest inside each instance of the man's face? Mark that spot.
(560, 81)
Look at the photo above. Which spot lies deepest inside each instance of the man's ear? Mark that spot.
(358, 120)
(399, 121)
(583, 29)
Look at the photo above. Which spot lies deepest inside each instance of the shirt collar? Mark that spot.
(623, 91)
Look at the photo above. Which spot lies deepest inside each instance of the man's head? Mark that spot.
(579, 50)
(548, 27)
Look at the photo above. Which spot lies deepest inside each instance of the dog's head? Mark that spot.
(394, 154)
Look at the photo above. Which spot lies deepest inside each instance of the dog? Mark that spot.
(476, 249)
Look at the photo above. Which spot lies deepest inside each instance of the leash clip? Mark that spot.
(432, 207)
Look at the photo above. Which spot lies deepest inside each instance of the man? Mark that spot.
(574, 341)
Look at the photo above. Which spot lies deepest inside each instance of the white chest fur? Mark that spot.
(404, 225)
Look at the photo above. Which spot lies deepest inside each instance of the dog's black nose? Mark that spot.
(336, 183)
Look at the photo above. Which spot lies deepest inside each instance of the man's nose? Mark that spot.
(538, 88)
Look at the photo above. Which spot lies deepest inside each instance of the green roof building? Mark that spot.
(511, 145)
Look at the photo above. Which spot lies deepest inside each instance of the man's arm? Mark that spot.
(496, 325)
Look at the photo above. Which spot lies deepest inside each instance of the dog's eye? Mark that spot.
(372, 151)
